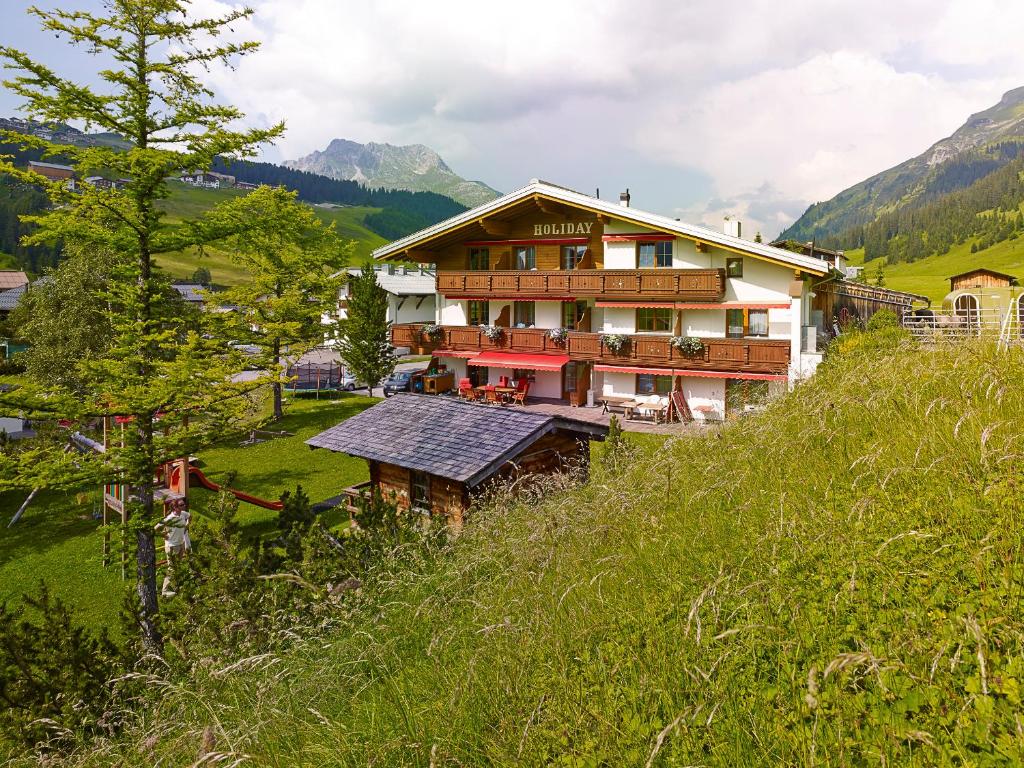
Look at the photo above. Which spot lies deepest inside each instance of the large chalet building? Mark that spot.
(590, 299)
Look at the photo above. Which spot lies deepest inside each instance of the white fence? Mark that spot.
(1003, 325)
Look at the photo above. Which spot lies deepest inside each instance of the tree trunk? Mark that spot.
(278, 407)
(145, 558)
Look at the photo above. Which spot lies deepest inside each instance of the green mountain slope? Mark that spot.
(835, 580)
(985, 143)
(929, 276)
(188, 202)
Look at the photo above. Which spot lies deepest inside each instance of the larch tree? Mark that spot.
(155, 370)
(363, 335)
(292, 259)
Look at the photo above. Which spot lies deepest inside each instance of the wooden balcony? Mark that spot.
(647, 350)
(626, 284)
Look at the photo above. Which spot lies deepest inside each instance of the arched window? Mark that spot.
(965, 306)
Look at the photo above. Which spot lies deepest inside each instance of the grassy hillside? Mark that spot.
(836, 581)
(189, 202)
(929, 276)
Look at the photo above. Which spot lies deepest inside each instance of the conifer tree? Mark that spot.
(291, 259)
(155, 371)
(363, 336)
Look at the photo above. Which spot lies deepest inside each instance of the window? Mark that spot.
(734, 325)
(526, 257)
(573, 313)
(569, 377)
(649, 384)
(734, 266)
(522, 374)
(525, 314)
(746, 322)
(650, 255)
(572, 255)
(479, 313)
(419, 491)
(654, 319)
(479, 258)
(757, 322)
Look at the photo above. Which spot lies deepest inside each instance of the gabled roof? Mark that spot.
(986, 271)
(191, 291)
(55, 166)
(543, 189)
(465, 442)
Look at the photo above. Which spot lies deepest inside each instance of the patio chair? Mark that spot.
(492, 397)
(519, 396)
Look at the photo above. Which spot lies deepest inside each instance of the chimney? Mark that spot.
(624, 198)
(733, 227)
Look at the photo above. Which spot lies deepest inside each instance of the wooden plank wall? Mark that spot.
(456, 257)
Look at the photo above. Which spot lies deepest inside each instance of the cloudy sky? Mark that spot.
(754, 108)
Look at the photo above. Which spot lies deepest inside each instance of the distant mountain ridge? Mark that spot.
(987, 142)
(414, 167)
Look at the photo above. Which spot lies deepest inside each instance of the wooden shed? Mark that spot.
(434, 453)
(981, 278)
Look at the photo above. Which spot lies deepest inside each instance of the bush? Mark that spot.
(883, 318)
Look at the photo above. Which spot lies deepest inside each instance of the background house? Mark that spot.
(411, 294)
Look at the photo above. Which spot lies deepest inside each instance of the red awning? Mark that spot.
(724, 375)
(453, 353)
(729, 305)
(634, 304)
(517, 297)
(516, 360)
(630, 369)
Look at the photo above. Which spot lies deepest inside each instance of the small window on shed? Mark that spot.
(419, 492)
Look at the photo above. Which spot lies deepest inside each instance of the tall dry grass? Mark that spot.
(836, 581)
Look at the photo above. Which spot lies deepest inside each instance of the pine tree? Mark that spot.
(154, 367)
(291, 259)
(363, 336)
(757, 238)
(880, 274)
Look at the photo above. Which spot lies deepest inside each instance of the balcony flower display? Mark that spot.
(493, 332)
(688, 345)
(432, 331)
(615, 342)
(558, 335)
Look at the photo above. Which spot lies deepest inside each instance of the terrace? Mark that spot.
(718, 354)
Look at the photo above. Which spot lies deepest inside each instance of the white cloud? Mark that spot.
(699, 100)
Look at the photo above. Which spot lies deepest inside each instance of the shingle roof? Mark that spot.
(410, 283)
(9, 299)
(12, 278)
(465, 442)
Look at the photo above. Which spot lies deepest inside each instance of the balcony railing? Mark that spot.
(667, 284)
(730, 355)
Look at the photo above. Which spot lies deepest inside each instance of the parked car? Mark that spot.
(399, 381)
(350, 383)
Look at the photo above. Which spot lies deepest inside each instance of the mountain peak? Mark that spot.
(415, 167)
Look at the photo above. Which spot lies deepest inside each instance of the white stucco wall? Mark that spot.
(685, 255)
(457, 365)
(700, 392)
(618, 320)
(762, 281)
(709, 323)
(545, 384)
(548, 314)
(452, 312)
(619, 384)
(406, 311)
(620, 255)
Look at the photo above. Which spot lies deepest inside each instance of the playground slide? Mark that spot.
(197, 475)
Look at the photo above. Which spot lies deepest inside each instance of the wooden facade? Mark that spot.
(981, 278)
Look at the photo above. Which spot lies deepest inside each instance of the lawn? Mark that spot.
(930, 276)
(59, 541)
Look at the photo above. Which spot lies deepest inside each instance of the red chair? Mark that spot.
(503, 381)
(519, 398)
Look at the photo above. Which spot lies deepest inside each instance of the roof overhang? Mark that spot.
(538, 192)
